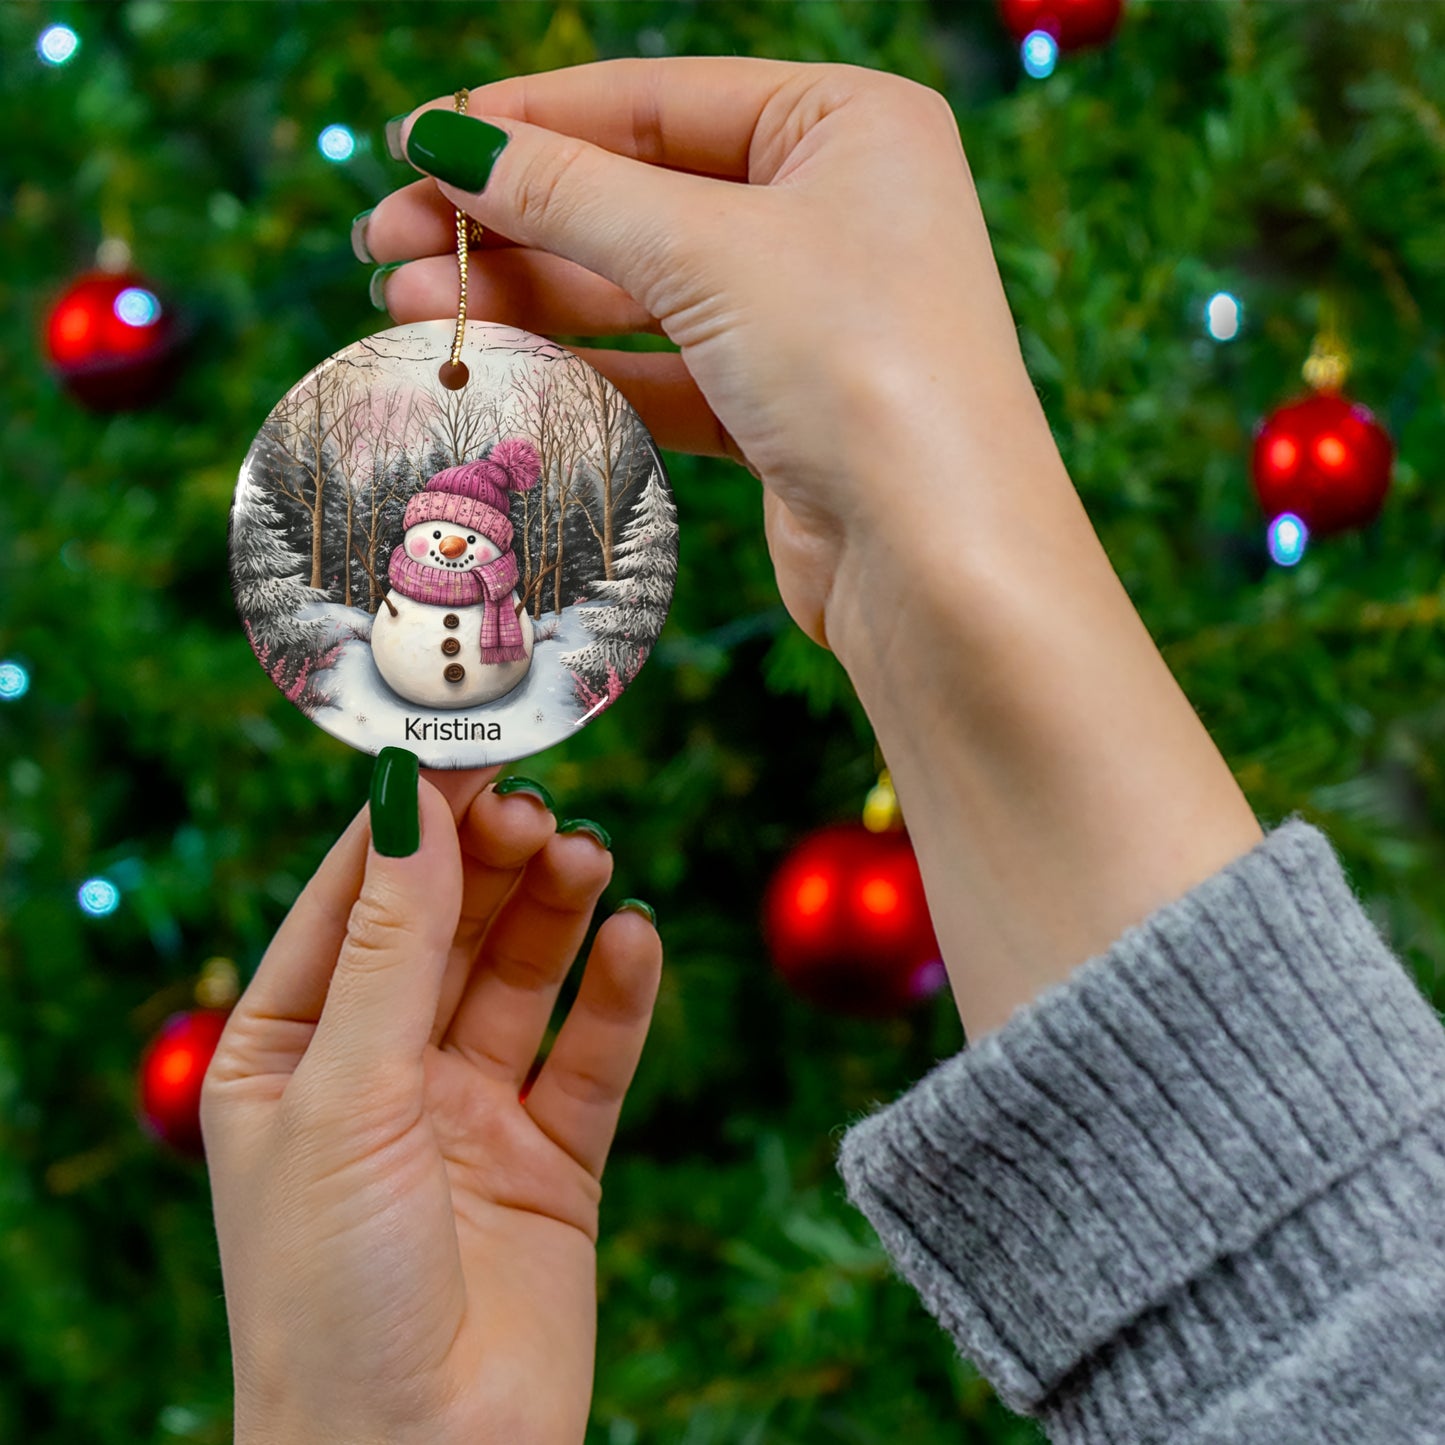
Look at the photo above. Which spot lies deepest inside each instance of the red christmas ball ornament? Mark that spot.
(171, 1072)
(1324, 458)
(847, 923)
(1074, 24)
(111, 341)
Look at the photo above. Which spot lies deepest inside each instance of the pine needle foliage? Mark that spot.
(1290, 154)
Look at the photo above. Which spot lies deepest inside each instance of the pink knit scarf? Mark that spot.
(501, 632)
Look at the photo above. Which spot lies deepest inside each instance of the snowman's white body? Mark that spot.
(413, 648)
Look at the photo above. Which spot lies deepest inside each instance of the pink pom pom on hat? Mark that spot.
(477, 495)
(520, 460)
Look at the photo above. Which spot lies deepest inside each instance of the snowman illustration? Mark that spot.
(450, 632)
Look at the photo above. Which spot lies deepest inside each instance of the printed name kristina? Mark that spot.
(453, 730)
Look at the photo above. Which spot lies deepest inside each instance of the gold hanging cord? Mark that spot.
(1328, 364)
(453, 372)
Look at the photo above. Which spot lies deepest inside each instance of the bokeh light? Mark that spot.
(98, 897)
(1040, 53)
(336, 143)
(14, 681)
(1223, 316)
(812, 896)
(1281, 455)
(177, 1066)
(138, 307)
(1287, 538)
(57, 44)
(879, 897)
(930, 977)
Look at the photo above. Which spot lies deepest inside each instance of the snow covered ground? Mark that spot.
(364, 712)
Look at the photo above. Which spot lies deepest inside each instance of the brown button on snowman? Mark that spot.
(451, 633)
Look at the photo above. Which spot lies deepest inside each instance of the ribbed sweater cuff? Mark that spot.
(1098, 1168)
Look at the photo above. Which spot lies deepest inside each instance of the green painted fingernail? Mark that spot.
(395, 810)
(377, 288)
(359, 248)
(529, 786)
(586, 825)
(393, 137)
(636, 905)
(455, 148)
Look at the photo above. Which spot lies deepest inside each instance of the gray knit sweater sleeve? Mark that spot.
(1197, 1191)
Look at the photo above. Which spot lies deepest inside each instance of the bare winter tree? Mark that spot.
(554, 428)
(353, 440)
(461, 422)
(569, 494)
(396, 445)
(311, 429)
(612, 446)
(569, 440)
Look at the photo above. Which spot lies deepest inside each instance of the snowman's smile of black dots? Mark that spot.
(458, 565)
(452, 564)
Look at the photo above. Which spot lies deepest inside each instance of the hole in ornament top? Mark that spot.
(453, 375)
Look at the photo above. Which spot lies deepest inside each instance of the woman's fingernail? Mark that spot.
(636, 905)
(395, 810)
(455, 148)
(586, 825)
(377, 288)
(529, 786)
(359, 248)
(393, 137)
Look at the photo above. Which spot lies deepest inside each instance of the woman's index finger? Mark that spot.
(690, 113)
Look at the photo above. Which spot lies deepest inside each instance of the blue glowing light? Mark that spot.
(138, 307)
(1287, 537)
(1223, 316)
(1040, 53)
(57, 44)
(14, 681)
(337, 143)
(98, 897)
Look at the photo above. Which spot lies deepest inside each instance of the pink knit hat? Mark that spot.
(475, 495)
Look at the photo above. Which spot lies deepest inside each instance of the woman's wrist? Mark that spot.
(1057, 784)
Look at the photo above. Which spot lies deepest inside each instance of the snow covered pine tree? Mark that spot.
(644, 567)
(268, 578)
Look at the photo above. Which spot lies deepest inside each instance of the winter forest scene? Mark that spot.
(370, 452)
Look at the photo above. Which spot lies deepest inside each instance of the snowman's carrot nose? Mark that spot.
(451, 547)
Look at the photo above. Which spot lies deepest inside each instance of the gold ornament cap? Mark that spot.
(881, 813)
(1328, 365)
(219, 985)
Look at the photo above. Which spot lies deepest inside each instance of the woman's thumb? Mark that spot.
(621, 218)
(382, 999)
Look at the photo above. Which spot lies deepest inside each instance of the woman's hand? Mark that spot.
(810, 237)
(408, 1246)
(828, 311)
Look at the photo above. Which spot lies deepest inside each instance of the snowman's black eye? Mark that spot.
(470, 540)
(437, 535)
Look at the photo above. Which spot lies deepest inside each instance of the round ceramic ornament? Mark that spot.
(468, 561)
